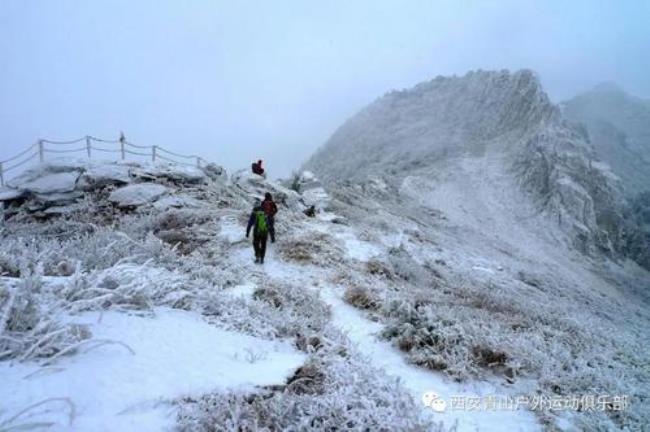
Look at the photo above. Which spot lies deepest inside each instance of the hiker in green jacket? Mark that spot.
(259, 221)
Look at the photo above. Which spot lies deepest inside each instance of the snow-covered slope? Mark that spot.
(513, 138)
(508, 239)
(129, 300)
(619, 128)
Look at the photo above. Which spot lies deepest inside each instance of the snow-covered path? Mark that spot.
(364, 333)
(419, 381)
(174, 354)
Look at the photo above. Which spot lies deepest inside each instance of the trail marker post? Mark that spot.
(122, 140)
(88, 146)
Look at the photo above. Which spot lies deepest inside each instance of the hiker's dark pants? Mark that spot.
(271, 220)
(259, 244)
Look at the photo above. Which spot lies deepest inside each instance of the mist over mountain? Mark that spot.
(506, 123)
(618, 125)
(461, 239)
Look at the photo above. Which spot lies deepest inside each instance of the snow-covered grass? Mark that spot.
(367, 336)
(160, 357)
(94, 294)
(476, 306)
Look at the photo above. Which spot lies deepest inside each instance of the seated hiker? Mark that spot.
(269, 207)
(260, 224)
(256, 167)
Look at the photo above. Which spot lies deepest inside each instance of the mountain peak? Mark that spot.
(608, 87)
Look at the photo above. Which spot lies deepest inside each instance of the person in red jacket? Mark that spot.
(269, 207)
(256, 167)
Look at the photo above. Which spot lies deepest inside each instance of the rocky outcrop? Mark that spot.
(506, 121)
(59, 187)
(137, 194)
(618, 125)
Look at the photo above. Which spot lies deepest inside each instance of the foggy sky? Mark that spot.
(234, 81)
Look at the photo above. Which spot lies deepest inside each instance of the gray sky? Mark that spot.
(234, 81)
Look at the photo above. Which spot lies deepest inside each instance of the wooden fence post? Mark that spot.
(88, 145)
(153, 153)
(122, 140)
(41, 155)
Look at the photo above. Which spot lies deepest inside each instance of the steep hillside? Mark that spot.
(619, 128)
(503, 122)
(508, 235)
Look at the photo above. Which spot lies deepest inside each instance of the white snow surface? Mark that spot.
(175, 354)
(51, 183)
(364, 333)
(137, 194)
(418, 381)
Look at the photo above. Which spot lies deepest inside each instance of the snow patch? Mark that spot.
(420, 381)
(137, 194)
(175, 354)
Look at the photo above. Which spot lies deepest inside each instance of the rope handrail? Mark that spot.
(137, 153)
(18, 164)
(65, 151)
(106, 150)
(176, 154)
(124, 149)
(63, 142)
(19, 155)
(136, 145)
(103, 140)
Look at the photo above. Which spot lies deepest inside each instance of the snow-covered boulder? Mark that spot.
(256, 186)
(311, 190)
(171, 171)
(100, 175)
(215, 172)
(8, 194)
(58, 197)
(177, 201)
(137, 194)
(52, 183)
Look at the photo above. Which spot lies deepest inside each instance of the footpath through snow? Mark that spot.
(364, 334)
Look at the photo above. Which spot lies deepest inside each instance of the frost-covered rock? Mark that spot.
(493, 132)
(8, 194)
(175, 172)
(99, 175)
(177, 201)
(137, 194)
(215, 172)
(618, 126)
(51, 183)
(256, 186)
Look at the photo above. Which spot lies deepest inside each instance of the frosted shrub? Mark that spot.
(126, 286)
(27, 332)
(312, 248)
(280, 310)
(361, 298)
(335, 390)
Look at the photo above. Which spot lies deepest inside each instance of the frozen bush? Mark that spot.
(336, 390)
(361, 298)
(26, 331)
(311, 248)
(126, 286)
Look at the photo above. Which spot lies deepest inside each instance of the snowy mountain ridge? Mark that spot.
(347, 303)
(507, 121)
(618, 125)
(442, 274)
